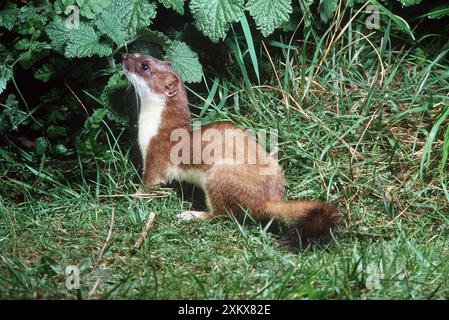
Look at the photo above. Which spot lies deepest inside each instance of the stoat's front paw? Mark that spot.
(190, 215)
(186, 216)
(143, 189)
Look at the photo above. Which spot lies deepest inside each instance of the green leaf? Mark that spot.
(400, 22)
(410, 2)
(92, 8)
(5, 76)
(78, 42)
(56, 131)
(269, 14)
(61, 149)
(250, 43)
(184, 61)
(115, 83)
(9, 16)
(327, 9)
(438, 12)
(113, 98)
(84, 42)
(86, 143)
(40, 145)
(13, 113)
(45, 73)
(58, 34)
(177, 5)
(61, 5)
(6, 156)
(306, 12)
(213, 17)
(11, 116)
(121, 20)
(154, 36)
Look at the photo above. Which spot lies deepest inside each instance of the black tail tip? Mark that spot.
(314, 228)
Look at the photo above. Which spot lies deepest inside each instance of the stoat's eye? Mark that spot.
(145, 67)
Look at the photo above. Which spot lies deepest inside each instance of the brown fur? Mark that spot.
(229, 188)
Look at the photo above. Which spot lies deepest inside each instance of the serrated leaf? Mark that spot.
(78, 42)
(58, 34)
(213, 17)
(177, 5)
(61, 5)
(327, 8)
(8, 17)
(121, 20)
(40, 145)
(5, 76)
(91, 8)
(269, 14)
(84, 42)
(95, 120)
(154, 36)
(115, 82)
(61, 149)
(45, 73)
(56, 131)
(15, 115)
(184, 61)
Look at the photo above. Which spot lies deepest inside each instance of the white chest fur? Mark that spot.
(151, 107)
(149, 121)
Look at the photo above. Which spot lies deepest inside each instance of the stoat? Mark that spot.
(230, 186)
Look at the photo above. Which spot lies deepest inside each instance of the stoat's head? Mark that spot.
(151, 76)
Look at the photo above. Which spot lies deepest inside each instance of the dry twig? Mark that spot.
(145, 230)
(108, 238)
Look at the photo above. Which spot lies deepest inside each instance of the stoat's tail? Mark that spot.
(306, 221)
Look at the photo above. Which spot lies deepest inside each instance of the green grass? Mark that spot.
(354, 122)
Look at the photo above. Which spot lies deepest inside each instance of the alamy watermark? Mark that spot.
(373, 20)
(72, 274)
(73, 19)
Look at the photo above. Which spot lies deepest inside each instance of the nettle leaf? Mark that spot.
(5, 76)
(45, 73)
(184, 61)
(9, 16)
(84, 42)
(61, 5)
(154, 36)
(121, 20)
(213, 17)
(58, 34)
(327, 9)
(269, 14)
(78, 42)
(177, 5)
(92, 8)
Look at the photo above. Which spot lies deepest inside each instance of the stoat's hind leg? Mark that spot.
(190, 215)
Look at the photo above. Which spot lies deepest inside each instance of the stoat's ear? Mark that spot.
(172, 82)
